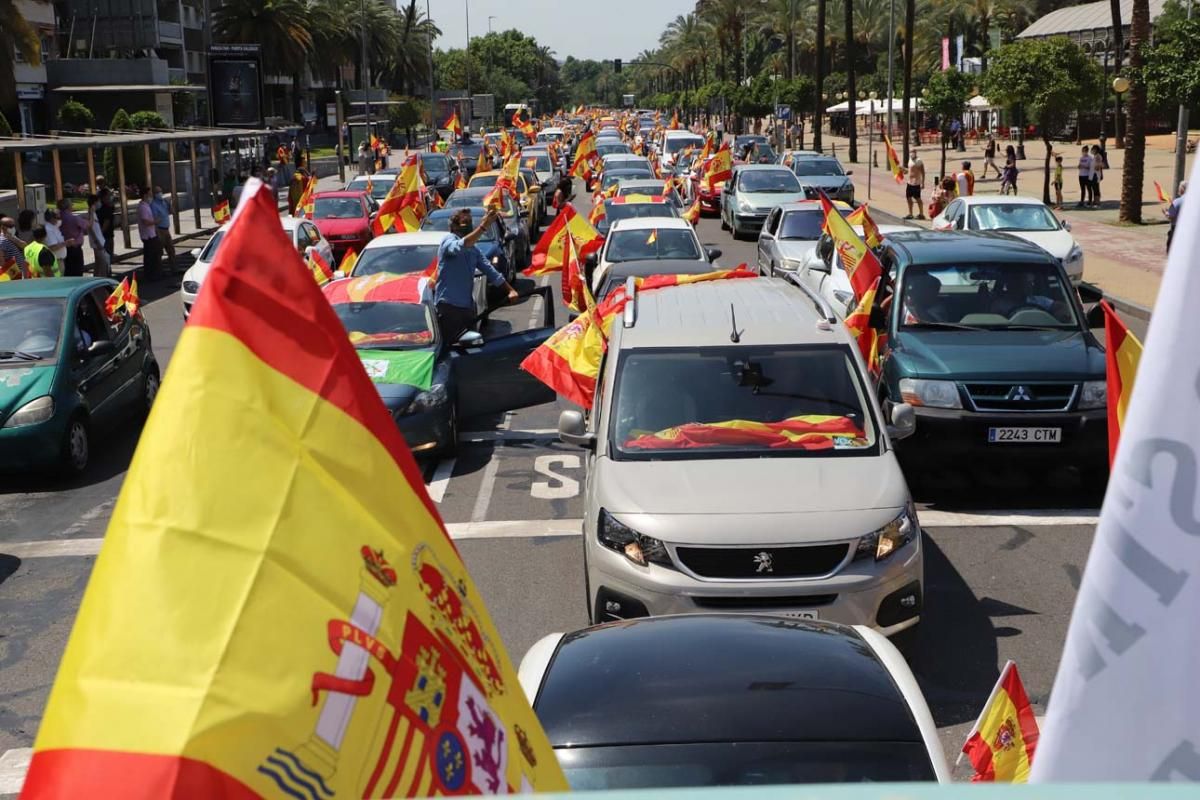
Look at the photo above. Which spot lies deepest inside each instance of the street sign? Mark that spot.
(783, 112)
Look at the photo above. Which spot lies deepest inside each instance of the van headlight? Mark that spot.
(933, 394)
(882, 543)
(623, 539)
(1094, 395)
(32, 413)
(436, 395)
(744, 205)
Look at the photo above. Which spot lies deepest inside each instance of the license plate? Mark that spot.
(800, 613)
(1025, 435)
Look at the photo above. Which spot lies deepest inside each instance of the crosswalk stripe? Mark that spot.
(13, 766)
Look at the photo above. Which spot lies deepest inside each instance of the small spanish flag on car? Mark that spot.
(1122, 354)
(1003, 741)
(220, 212)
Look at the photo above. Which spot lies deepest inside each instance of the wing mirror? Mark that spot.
(1066, 225)
(572, 429)
(818, 265)
(849, 172)
(713, 253)
(470, 339)
(338, 274)
(196, 253)
(904, 422)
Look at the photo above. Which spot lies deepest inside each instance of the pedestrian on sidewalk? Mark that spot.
(966, 180)
(54, 236)
(1172, 211)
(74, 233)
(1008, 179)
(914, 185)
(106, 215)
(100, 265)
(989, 157)
(1104, 150)
(937, 200)
(162, 221)
(365, 158)
(26, 222)
(297, 186)
(1058, 183)
(148, 233)
(40, 258)
(12, 249)
(1085, 178)
(1097, 174)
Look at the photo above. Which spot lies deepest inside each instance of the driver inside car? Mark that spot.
(1019, 291)
(922, 299)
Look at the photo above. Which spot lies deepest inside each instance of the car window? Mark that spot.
(311, 234)
(116, 324)
(953, 210)
(772, 181)
(442, 223)
(387, 325)
(677, 143)
(484, 181)
(90, 326)
(337, 208)
(806, 225)
(30, 328)
(816, 166)
(210, 250)
(616, 211)
(715, 400)
(987, 297)
(539, 163)
(398, 259)
(435, 163)
(1012, 217)
(772, 221)
(635, 245)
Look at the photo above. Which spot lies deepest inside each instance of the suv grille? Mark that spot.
(762, 563)
(742, 603)
(1021, 396)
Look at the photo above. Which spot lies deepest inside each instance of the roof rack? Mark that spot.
(822, 305)
(629, 315)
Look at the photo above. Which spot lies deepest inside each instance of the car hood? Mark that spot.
(797, 250)
(1056, 242)
(768, 497)
(337, 227)
(20, 383)
(768, 200)
(998, 355)
(197, 272)
(824, 181)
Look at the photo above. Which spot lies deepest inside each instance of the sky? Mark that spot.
(599, 29)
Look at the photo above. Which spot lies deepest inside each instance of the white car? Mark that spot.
(830, 279)
(403, 253)
(302, 232)
(1025, 217)
(675, 142)
(649, 239)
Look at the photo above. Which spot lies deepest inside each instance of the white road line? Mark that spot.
(478, 528)
(486, 487)
(441, 479)
(13, 766)
(520, 435)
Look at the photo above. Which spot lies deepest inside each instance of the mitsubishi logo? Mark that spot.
(764, 562)
(1020, 393)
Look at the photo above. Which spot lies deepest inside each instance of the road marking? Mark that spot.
(441, 479)
(488, 483)
(519, 435)
(563, 485)
(13, 766)
(481, 529)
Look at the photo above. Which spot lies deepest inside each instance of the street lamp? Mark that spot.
(870, 139)
(1120, 86)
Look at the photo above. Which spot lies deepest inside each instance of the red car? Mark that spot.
(710, 201)
(343, 218)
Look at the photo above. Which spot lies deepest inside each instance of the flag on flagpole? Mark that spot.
(862, 217)
(220, 212)
(116, 301)
(893, 160)
(1004, 739)
(349, 259)
(1122, 353)
(1162, 196)
(1124, 702)
(227, 646)
(859, 261)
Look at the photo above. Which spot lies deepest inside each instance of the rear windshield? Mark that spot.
(338, 208)
(740, 401)
(636, 245)
(768, 181)
(677, 143)
(398, 260)
(805, 225)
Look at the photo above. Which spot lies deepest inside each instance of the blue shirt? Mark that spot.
(1174, 209)
(162, 214)
(456, 272)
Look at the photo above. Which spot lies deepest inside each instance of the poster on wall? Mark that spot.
(235, 78)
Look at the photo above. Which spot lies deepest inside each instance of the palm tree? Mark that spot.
(818, 101)
(408, 59)
(1135, 134)
(784, 20)
(910, 16)
(17, 35)
(728, 19)
(848, 12)
(279, 26)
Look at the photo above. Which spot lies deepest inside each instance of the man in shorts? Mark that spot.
(914, 185)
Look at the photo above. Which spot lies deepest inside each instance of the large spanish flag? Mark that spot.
(719, 168)
(297, 623)
(858, 323)
(862, 217)
(1003, 741)
(860, 263)
(547, 253)
(893, 160)
(1123, 352)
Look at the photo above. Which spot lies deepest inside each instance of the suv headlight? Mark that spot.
(625, 540)
(32, 413)
(934, 394)
(429, 399)
(885, 541)
(1094, 395)
(744, 205)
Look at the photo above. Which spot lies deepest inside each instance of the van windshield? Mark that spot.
(731, 401)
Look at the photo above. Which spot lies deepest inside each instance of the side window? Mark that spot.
(89, 324)
(100, 296)
(308, 236)
(953, 210)
(773, 222)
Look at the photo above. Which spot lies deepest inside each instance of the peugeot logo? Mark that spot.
(764, 562)
(1020, 393)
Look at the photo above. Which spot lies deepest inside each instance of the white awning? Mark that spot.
(863, 107)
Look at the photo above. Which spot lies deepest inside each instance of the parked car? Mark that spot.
(69, 373)
(823, 272)
(752, 193)
(777, 700)
(344, 219)
(441, 171)
(304, 235)
(1025, 217)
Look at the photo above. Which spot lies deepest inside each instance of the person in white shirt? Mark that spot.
(54, 236)
(1085, 178)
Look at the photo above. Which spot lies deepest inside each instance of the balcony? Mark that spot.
(175, 74)
(170, 32)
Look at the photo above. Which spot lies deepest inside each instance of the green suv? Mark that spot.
(988, 342)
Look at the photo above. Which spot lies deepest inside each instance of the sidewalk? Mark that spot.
(1125, 261)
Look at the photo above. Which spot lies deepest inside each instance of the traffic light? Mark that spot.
(616, 65)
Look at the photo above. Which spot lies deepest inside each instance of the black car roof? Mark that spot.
(965, 247)
(719, 678)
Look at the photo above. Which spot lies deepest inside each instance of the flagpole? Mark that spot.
(995, 690)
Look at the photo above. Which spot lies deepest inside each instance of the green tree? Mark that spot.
(17, 35)
(75, 116)
(146, 120)
(1048, 78)
(1172, 71)
(135, 170)
(946, 96)
(281, 27)
(1133, 171)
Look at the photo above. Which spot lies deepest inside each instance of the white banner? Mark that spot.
(1126, 701)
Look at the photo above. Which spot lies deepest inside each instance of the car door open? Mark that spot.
(489, 375)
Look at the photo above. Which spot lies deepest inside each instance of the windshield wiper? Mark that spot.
(947, 325)
(1038, 328)
(21, 354)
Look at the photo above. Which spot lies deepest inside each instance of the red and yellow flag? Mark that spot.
(304, 205)
(598, 214)
(893, 160)
(505, 184)
(1123, 353)
(483, 163)
(586, 149)
(1162, 196)
(404, 207)
(116, 301)
(10, 270)
(719, 168)
(692, 212)
(221, 212)
(379, 287)
(858, 322)
(133, 301)
(461, 181)
(576, 294)
(227, 645)
(806, 432)
(862, 217)
(860, 263)
(674, 121)
(547, 253)
(1002, 744)
(349, 260)
(321, 271)
(454, 125)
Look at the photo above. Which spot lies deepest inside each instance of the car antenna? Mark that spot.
(735, 335)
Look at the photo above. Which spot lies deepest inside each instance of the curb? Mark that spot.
(1126, 307)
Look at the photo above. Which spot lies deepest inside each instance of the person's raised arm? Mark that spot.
(474, 236)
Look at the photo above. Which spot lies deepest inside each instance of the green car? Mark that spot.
(988, 342)
(66, 372)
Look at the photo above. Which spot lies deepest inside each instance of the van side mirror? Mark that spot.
(572, 429)
(1095, 317)
(904, 422)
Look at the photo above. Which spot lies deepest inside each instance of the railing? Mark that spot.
(170, 30)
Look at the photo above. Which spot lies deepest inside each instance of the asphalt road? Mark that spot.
(1000, 582)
